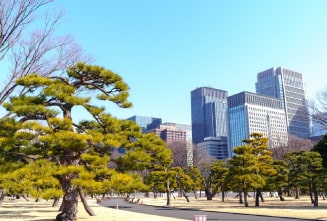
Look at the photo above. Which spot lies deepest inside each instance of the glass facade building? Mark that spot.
(250, 112)
(288, 86)
(209, 112)
(146, 123)
(213, 148)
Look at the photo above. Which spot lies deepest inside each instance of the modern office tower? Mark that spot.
(147, 123)
(212, 149)
(209, 112)
(250, 112)
(287, 85)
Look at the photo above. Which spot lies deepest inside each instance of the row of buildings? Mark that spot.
(220, 122)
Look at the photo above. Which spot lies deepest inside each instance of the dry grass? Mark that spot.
(297, 208)
(16, 210)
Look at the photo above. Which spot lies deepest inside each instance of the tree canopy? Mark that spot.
(41, 127)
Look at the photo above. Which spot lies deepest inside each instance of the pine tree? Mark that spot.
(264, 155)
(77, 149)
(244, 171)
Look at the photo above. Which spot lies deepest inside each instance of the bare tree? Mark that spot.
(201, 156)
(294, 144)
(179, 149)
(25, 50)
(318, 108)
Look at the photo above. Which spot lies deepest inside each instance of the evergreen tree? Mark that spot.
(296, 173)
(280, 180)
(264, 156)
(309, 168)
(76, 148)
(196, 177)
(321, 147)
(213, 176)
(244, 171)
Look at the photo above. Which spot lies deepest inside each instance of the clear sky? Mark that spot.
(164, 49)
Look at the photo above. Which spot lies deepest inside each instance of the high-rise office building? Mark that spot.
(250, 112)
(288, 86)
(209, 112)
(146, 123)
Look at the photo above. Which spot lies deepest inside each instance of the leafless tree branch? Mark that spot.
(39, 51)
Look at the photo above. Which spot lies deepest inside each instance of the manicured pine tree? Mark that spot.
(279, 181)
(213, 175)
(296, 173)
(184, 182)
(264, 156)
(243, 170)
(42, 134)
(196, 177)
(310, 166)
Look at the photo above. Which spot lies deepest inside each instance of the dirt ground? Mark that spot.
(16, 210)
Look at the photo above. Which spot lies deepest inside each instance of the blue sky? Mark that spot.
(165, 49)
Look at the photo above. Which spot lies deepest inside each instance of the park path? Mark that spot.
(187, 214)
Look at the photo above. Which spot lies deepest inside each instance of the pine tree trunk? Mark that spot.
(84, 201)
(168, 192)
(261, 196)
(240, 197)
(310, 194)
(2, 196)
(246, 204)
(208, 194)
(257, 195)
(185, 196)
(70, 201)
(222, 195)
(315, 193)
(297, 196)
(195, 194)
(280, 194)
(55, 202)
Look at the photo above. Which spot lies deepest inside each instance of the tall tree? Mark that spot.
(265, 168)
(184, 182)
(280, 180)
(213, 176)
(42, 134)
(25, 49)
(306, 171)
(161, 172)
(243, 170)
(296, 173)
(196, 178)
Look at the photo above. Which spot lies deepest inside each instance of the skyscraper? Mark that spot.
(250, 112)
(146, 123)
(287, 85)
(209, 112)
